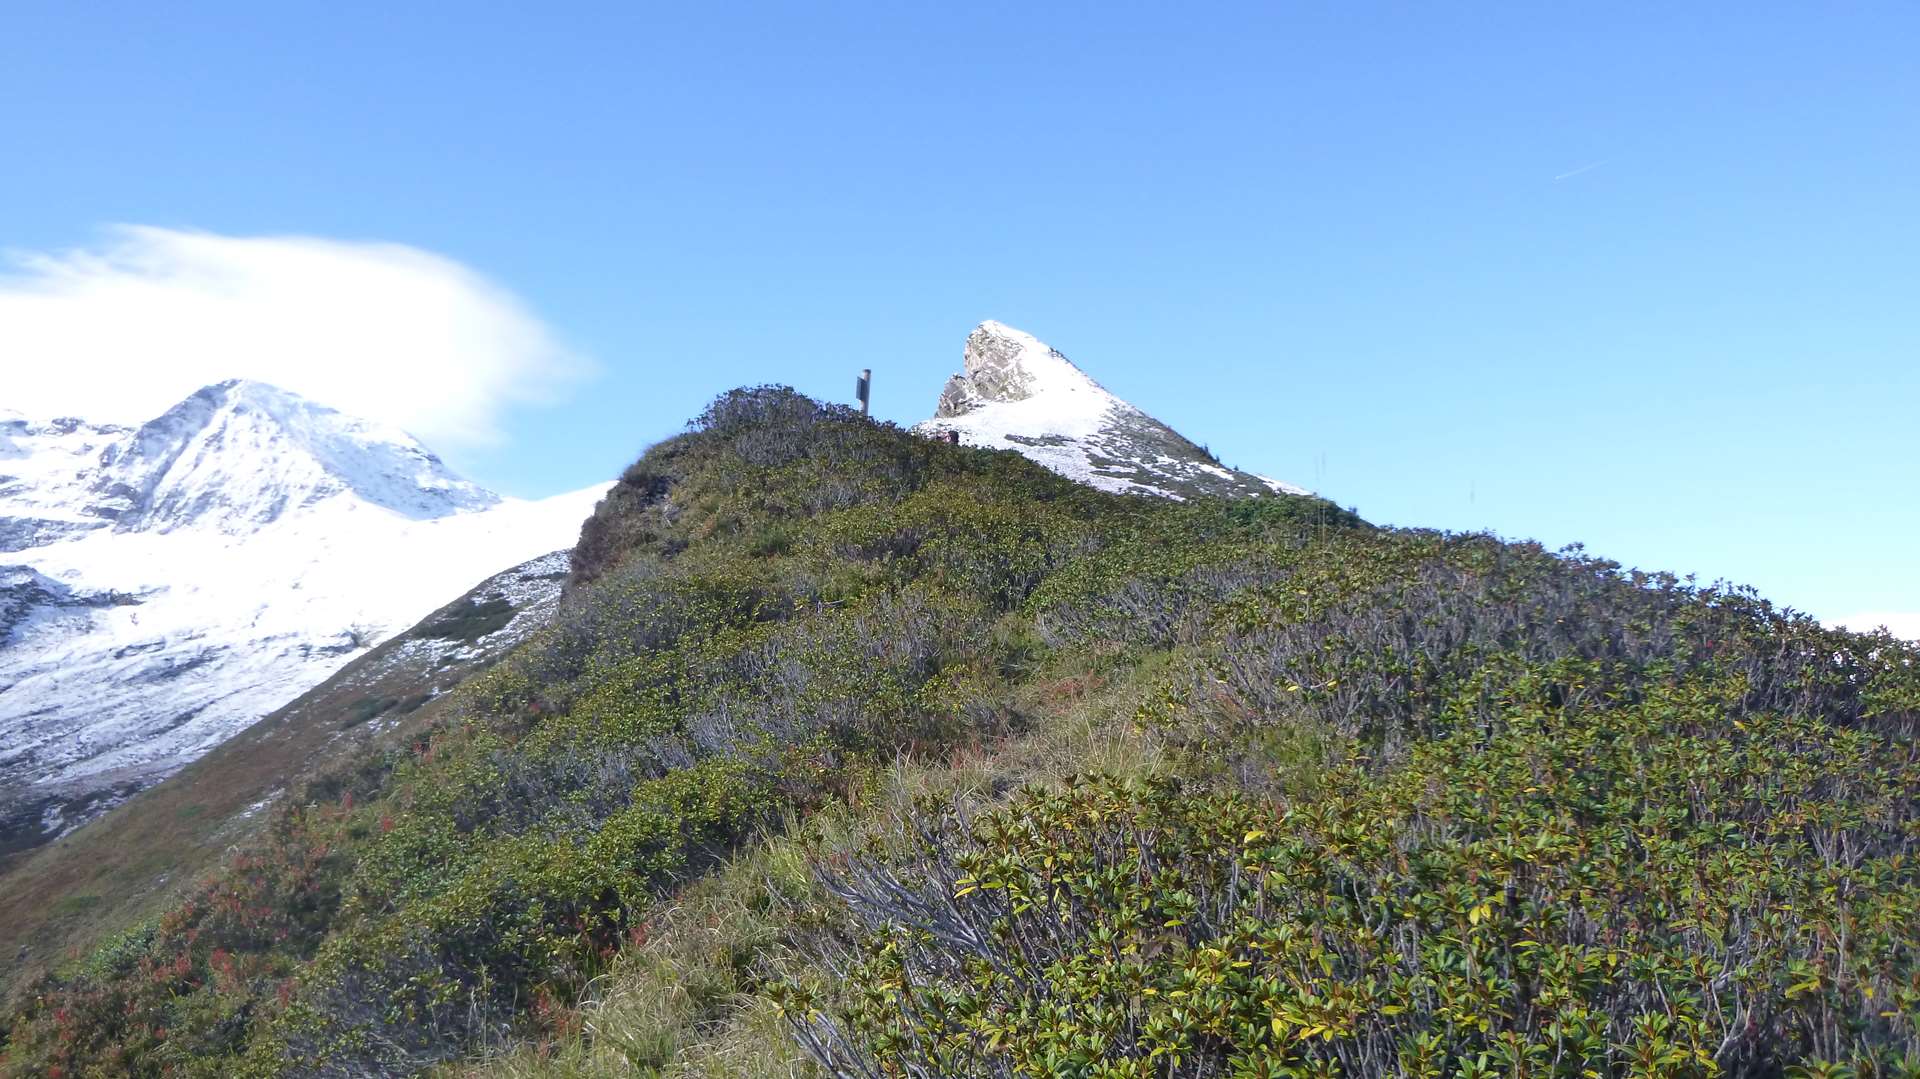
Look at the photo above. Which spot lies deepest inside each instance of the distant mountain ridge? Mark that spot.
(178, 469)
(1016, 392)
(232, 457)
(163, 586)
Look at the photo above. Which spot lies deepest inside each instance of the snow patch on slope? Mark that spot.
(236, 627)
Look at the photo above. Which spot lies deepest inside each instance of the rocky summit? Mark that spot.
(1015, 392)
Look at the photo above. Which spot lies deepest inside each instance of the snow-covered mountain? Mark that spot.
(163, 587)
(1015, 392)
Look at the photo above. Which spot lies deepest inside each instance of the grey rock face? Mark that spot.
(22, 533)
(991, 370)
(957, 398)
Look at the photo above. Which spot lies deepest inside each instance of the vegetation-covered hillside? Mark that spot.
(140, 857)
(860, 754)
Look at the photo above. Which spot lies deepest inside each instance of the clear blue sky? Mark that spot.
(1349, 245)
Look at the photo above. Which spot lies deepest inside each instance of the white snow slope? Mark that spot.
(162, 588)
(1015, 392)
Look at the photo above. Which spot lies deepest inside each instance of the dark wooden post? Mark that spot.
(864, 388)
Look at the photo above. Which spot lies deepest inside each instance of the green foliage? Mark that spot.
(1445, 801)
(365, 709)
(1648, 889)
(75, 904)
(527, 909)
(470, 619)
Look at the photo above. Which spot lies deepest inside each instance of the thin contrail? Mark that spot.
(1580, 170)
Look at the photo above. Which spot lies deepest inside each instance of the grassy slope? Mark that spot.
(695, 1000)
(797, 778)
(1691, 877)
(60, 901)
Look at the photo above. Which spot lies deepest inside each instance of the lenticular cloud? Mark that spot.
(123, 329)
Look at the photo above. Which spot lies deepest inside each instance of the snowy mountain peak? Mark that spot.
(1016, 392)
(238, 455)
(1002, 364)
(163, 587)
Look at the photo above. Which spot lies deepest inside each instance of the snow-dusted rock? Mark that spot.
(1015, 392)
(239, 455)
(47, 472)
(163, 587)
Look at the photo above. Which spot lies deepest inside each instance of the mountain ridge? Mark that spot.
(177, 469)
(162, 586)
(856, 753)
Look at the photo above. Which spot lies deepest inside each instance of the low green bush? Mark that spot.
(1655, 889)
(470, 619)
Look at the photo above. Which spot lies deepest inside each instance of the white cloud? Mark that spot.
(1904, 624)
(123, 330)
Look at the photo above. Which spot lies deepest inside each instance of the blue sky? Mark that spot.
(1643, 276)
